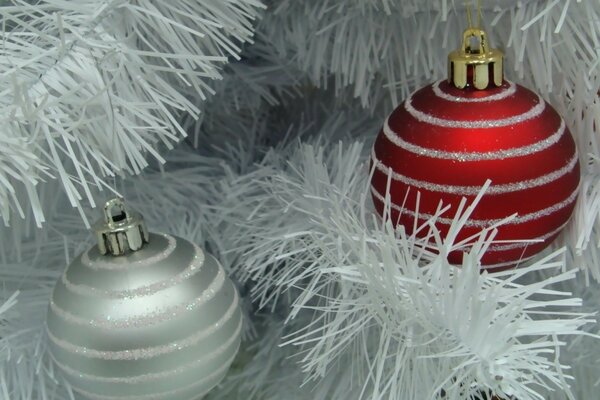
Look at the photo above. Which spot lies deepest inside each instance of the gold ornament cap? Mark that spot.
(475, 64)
(120, 232)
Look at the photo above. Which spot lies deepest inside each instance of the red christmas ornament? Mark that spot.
(448, 138)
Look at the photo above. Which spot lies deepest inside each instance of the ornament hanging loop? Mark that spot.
(480, 38)
(113, 220)
(120, 232)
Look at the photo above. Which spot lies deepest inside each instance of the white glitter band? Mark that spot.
(191, 270)
(157, 375)
(163, 395)
(509, 91)
(474, 190)
(521, 245)
(148, 352)
(155, 317)
(104, 264)
(474, 156)
(508, 263)
(483, 223)
(483, 124)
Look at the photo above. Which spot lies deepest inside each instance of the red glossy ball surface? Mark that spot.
(444, 143)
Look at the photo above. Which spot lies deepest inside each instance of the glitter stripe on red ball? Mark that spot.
(444, 143)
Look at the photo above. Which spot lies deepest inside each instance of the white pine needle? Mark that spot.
(89, 89)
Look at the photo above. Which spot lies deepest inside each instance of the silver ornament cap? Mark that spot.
(121, 232)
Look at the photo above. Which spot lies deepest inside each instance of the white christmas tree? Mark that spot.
(246, 127)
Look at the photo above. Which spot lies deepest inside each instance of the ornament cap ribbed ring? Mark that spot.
(120, 232)
(476, 66)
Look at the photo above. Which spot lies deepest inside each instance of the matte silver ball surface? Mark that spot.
(163, 322)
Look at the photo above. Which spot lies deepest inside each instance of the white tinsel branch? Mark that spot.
(287, 219)
(89, 88)
(290, 216)
(411, 324)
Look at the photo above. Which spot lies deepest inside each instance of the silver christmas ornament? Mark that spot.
(143, 316)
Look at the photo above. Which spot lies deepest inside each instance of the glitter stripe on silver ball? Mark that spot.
(140, 274)
(138, 321)
(87, 290)
(114, 308)
(94, 260)
(501, 154)
(509, 91)
(196, 390)
(150, 361)
(421, 116)
(232, 342)
(474, 190)
(179, 331)
(484, 223)
(147, 352)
